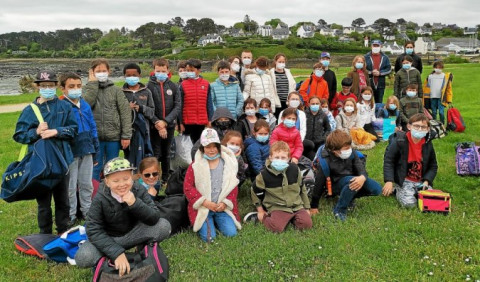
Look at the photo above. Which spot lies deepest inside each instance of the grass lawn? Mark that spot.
(379, 240)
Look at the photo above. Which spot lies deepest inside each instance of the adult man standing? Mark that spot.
(378, 67)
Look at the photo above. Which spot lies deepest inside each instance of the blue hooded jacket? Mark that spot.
(58, 115)
(227, 95)
(86, 141)
(257, 153)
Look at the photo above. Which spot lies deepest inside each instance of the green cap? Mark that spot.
(116, 165)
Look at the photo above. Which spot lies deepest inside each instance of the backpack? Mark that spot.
(434, 201)
(64, 248)
(150, 264)
(454, 120)
(33, 244)
(437, 129)
(467, 159)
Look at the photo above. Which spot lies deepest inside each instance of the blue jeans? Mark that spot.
(369, 188)
(436, 104)
(108, 150)
(222, 221)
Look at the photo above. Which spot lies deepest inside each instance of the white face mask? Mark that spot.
(349, 109)
(183, 75)
(250, 112)
(325, 110)
(235, 67)
(438, 70)
(280, 66)
(366, 97)
(224, 77)
(345, 154)
(247, 62)
(234, 148)
(101, 76)
(376, 50)
(294, 103)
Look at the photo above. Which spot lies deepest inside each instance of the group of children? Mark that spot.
(248, 123)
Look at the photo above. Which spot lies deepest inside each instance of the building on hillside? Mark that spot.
(438, 26)
(457, 44)
(265, 30)
(348, 29)
(423, 45)
(345, 39)
(306, 31)
(237, 32)
(280, 33)
(470, 31)
(423, 31)
(392, 48)
(403, 37)
(326, 31)
(388, 36)
(371, 28)
(210, 38)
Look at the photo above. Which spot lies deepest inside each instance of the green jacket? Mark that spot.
(409, 107)
(111, 110)
(280, 191)
(403, 78)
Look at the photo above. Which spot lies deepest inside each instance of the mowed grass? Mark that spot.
(379, 240)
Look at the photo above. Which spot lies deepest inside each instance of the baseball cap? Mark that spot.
(209, 136)
(46, 76)
(325, 55)
(376, 41)
(116, 165)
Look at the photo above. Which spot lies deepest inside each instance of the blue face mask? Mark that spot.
(263, 111)
(392, 107)
(47, 93)
(211, 158)
(418, 134)
(132, 80)
(411, 94)
(289, 123)
(191, 74)
(314, 108)
(406, 66)
(319, 73)
(161, 76)
(359, 65)
(74, 93)
(279, 165)
(259, 71)
(409, 51)
(325, 63)
(262, 138)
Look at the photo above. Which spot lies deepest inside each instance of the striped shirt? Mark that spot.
(282, 85)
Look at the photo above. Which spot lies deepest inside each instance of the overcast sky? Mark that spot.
(49, 15)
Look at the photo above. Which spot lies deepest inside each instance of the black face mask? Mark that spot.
(223, 124)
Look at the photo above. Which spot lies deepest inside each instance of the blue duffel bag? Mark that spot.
(37, 173)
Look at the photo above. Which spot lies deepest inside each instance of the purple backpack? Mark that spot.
(467, 159)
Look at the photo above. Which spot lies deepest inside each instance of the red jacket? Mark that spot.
(195, 94)
(318, 87)
(291, 136)
(340, 97)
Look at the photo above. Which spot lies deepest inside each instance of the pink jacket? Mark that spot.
(291, 136)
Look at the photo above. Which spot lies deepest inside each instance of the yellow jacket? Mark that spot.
(447, 93)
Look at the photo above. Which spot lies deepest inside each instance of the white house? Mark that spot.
(209, 38)
(392, 48)
(237, 32)
(457, 44)
(280, 33)
(306, 31)
(326, 31)
(265, 30)
(423, 31)
(424, 45)
(348, 29)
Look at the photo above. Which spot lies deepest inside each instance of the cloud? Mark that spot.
(49, 15)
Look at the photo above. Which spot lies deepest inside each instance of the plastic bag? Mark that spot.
(389, 125)
(183, 147)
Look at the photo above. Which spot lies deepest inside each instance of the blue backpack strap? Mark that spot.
(319, 160)
(297, 122)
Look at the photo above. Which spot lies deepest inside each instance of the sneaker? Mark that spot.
(351, 207)
(251, 216)
(340, 216)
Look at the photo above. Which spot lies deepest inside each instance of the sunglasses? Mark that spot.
(148, 175)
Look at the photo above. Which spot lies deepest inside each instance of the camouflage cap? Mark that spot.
(116, 165)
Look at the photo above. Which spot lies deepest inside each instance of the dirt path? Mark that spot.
(12, 108)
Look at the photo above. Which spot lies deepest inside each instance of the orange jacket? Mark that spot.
(318, 87)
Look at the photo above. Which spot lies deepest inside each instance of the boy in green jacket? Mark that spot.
(279, 194)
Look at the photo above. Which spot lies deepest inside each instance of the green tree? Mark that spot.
(274, 22)
(336, 26)
(322, 22)
(249, 25)
(358, 22)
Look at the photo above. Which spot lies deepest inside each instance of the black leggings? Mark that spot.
(194, 130)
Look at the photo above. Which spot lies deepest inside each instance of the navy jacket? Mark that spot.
(257, 153)
(58, 115)
(86, 141)
(385, 69)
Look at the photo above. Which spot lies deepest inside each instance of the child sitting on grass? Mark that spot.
(410, 105)
(410, 163)
(211, 189)
(348, 174)
(122, 216)
(278, 193)
(257, 148)
(233, 141)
